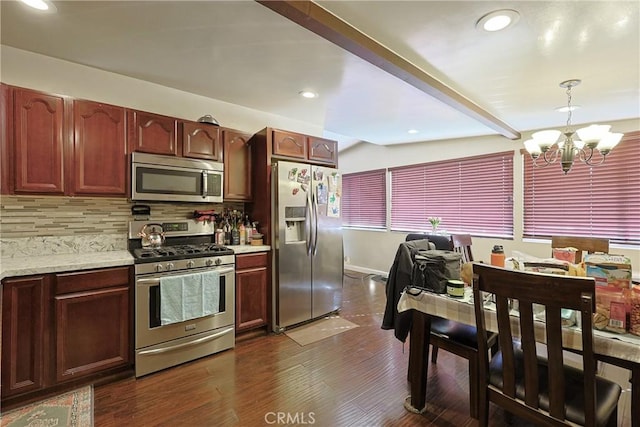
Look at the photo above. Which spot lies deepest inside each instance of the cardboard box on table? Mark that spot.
(613, 284)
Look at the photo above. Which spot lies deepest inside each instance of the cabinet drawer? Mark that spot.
(251, 261)
(89, 280)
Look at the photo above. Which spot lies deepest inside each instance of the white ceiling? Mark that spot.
(244, 53)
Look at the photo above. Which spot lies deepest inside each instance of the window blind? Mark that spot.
(471, 195)
(364, 198)
(599, 201)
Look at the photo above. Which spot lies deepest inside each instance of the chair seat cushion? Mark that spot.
(459, 332)
(607, 392)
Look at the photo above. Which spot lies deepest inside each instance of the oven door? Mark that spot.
(150, 332)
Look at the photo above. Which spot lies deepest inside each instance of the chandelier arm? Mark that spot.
(591, 163)
(550, 156)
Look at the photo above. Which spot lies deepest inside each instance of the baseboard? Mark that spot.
(365, 270)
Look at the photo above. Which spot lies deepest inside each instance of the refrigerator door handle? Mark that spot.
(315, 224)
(307, 224)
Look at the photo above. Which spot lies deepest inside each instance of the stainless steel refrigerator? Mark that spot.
(308, 266)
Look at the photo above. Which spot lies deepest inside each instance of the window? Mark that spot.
(472, 195)
(364, 199)
(600, 201)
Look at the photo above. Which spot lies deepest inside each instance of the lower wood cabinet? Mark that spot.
(92, 322)
(64, 328)
(251, 291)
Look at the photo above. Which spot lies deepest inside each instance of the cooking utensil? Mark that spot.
(153, 238)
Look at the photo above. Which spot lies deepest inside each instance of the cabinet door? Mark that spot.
(39, 139)
(153, 133)
(92, 322)
(92, 332)
(24, 334)
(6, 156)
(237, 166)
(323, 150)
(251, 291)
(201, 141)
(100, 154)
(289, 144)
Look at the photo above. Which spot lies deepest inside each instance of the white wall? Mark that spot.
(374, 250)
(31, 70)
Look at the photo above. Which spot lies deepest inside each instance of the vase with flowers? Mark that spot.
(435, 222)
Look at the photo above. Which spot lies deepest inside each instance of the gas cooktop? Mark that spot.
(169, 253)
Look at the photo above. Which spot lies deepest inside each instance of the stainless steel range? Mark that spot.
(180, 253)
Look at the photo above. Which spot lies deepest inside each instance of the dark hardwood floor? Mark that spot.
(356, 378)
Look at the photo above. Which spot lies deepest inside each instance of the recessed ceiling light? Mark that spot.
(41, 5)
(412, 131)
(498, 20)
(308, 94)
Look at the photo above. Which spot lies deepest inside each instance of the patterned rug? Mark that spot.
(73, 409)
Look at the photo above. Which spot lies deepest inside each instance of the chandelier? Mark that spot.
(592, 147)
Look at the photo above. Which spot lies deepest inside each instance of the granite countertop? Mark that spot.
(24, 266)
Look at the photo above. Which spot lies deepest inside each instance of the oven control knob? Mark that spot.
(190, 264)
(209, 262)
(218, 261)
(170, 266)
(159, 268)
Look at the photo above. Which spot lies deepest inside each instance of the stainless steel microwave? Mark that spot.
(175, 179)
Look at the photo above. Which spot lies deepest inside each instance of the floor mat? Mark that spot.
(319, 330)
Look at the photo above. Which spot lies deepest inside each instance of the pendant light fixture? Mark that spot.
(545, 148)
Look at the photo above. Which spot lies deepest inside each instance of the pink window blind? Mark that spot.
(599, 201)
(364, 198)
(471, 195)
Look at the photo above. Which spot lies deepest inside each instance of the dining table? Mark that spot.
(621, 350)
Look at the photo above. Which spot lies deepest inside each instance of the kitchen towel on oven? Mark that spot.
(189, 296)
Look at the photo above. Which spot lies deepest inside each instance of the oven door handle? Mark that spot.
(156, 280)
(187, 344)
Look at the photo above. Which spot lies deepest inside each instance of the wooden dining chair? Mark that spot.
(454, 337)
(462, 243)
(539, 388)
(587, 244)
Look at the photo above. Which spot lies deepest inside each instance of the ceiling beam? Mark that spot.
(322, 22)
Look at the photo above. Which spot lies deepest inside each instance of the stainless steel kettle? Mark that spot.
(152, 238)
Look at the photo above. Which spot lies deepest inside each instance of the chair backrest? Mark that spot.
(555, 293)
(442, 241)
(588, 244)
(462, 243)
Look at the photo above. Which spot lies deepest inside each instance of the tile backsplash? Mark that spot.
(42, 225)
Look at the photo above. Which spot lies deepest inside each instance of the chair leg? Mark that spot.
(473, 388)
(434, 353)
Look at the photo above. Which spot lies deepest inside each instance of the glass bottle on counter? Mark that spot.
(227, 231)
(235, 233)
(243, 233)
(249, 229)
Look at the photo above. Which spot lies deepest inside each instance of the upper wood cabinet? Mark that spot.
(323, 150)
(152, 133)
(39, 137)
(201, 141)
(237, 165)
(304, 147)
(100, 149)
(289, 144)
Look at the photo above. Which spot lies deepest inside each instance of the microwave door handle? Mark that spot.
(204, 184)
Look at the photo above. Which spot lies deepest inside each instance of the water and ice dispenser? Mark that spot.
(295, 230)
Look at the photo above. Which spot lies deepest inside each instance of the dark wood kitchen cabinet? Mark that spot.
(237, 165)
(304, 147)
(64, 330)
(251, 291)
(289, 144)
(25, 334)
(38, 131)
(100, 149)
(322, 150)
(152, 133)
(92, 322)
(201, 141)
